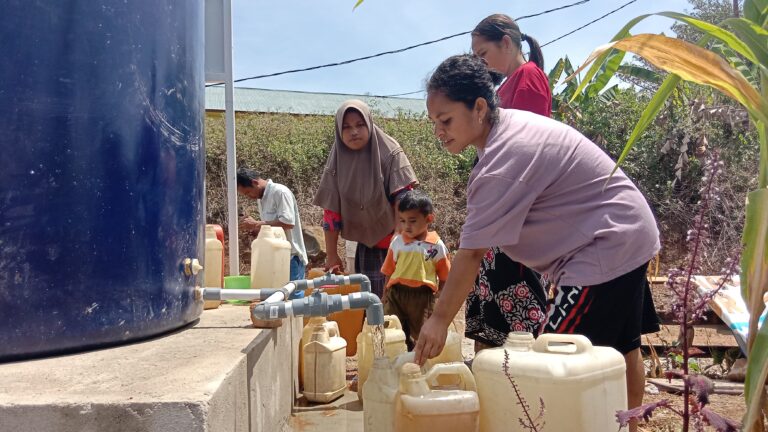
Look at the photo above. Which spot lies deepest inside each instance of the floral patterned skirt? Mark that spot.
(507, 297)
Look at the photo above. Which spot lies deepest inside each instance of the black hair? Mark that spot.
(465, 78)
(246, 177)
(416, 200)
(493, 28)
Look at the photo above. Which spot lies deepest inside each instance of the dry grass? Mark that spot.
(292, 150)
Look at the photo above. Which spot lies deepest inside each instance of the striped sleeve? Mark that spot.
(389, 263)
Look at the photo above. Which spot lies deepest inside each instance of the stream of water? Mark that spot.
(378, 341)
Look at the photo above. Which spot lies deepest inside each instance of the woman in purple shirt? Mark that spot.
(545, 194)
(507, 295)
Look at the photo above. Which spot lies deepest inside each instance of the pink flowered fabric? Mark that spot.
(507, 297)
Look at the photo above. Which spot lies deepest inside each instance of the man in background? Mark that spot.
(277, 207)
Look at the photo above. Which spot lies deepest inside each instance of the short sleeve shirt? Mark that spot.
(527, 89)
(542, 191)
(278, 203)
(417, 263)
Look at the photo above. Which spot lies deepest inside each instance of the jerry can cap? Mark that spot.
(410, 369)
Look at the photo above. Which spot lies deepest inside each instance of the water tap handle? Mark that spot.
(192, 266)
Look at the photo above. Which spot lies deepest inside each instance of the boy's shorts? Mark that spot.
(614, 313)
(412, 306)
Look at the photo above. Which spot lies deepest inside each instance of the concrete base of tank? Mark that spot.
(219, 374)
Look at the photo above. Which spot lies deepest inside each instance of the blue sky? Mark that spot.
(271, 36)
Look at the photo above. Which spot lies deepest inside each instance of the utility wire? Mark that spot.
(550, 11)
(590, 23)
(550, 42)
(580, 2)
(402, 94)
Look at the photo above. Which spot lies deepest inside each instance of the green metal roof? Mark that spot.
(296, 102)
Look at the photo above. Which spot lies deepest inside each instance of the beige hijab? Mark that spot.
(357, 183)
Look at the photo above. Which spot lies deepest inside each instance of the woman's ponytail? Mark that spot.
(535, 54)
(494, 27)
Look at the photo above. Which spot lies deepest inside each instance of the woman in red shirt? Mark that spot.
(507, 295)
(498, 40)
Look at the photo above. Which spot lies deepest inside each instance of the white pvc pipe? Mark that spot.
(280, 295)
(239, 294)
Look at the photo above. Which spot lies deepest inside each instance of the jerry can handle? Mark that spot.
(392, 322)
(541, 344)
(333, 330)
(332, 325)
(454, 368)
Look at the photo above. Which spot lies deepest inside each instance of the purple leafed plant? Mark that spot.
(528, 423)
(643, 412)
(689, 307)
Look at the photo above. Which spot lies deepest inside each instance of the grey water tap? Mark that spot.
(330, 279)
(321, 304)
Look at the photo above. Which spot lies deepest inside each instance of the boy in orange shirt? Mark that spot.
(416, 266)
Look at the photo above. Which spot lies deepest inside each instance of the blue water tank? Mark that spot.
(101, 185)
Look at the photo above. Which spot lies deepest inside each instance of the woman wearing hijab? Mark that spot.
(507, 295)
(365, 172)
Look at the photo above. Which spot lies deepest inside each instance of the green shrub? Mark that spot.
(292, 149)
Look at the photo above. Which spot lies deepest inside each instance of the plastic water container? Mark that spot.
(220, 236)
(379, 397)
(270, 258)
(582, 386)
(325, 368)
(451, 353)
(452, 350)
(306, 336)
(419, 407)
(351, 320)
(405, 358)
(394, 345)
(214, 259)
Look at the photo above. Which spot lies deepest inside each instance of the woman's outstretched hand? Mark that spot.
(431, 340)
(460, 281)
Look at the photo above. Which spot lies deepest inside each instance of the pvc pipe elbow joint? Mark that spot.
(374, 309)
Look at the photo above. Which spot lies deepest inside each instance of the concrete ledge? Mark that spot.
(221, 374)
